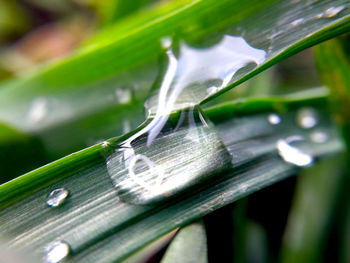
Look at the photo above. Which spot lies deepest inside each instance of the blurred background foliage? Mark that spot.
(307, 218)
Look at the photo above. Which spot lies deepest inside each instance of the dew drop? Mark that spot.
(292, 154)
(57, 197)
(56, 252)
(166, 42)
(123, 95)
(297, 22)
(192, 72)
(306, 118)
(318, 137)
(274, 119)
(105, 144)
(331, 12)
(38, 110)
(141, 176)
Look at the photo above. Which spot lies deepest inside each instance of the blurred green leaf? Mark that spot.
(317, 193)
(333, 63)
(188, 246)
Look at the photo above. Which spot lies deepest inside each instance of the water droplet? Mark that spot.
(297, 21)
(123, 95)
(166, 42)
(38, 110)
(56, 252)
(191, 152)
(331, 12)
(105, 144)
(318, 137)
(57, 197)
(274, 119)
(189, 76)
(306, 118)
(292, 154)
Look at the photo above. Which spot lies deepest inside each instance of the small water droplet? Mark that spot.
(166, 42)
(331, 12)
(292, 154)
(318, 136)
(38, 110)
(105, 144)
(306, 118)
(274, 119)
(297, 21)
(123, 95)
(57, 197)
(56, 252)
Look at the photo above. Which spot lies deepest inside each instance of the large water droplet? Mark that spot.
(292, 154)
(56, 252)
(274, 119)
(306, 118)
(168, 155)
(38, 110)
(57, 197)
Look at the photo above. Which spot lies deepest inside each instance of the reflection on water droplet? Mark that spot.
(57, 197)
(297, 21)
(123, 95)
(56, 252)
(152, 168)
(274, 119)
(292, 154)
(38, 110)
(318, 137)
(306, 118)
(331, 12)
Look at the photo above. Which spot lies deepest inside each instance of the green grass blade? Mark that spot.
(100, 227)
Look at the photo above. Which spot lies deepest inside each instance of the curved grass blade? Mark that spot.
(118, 68)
